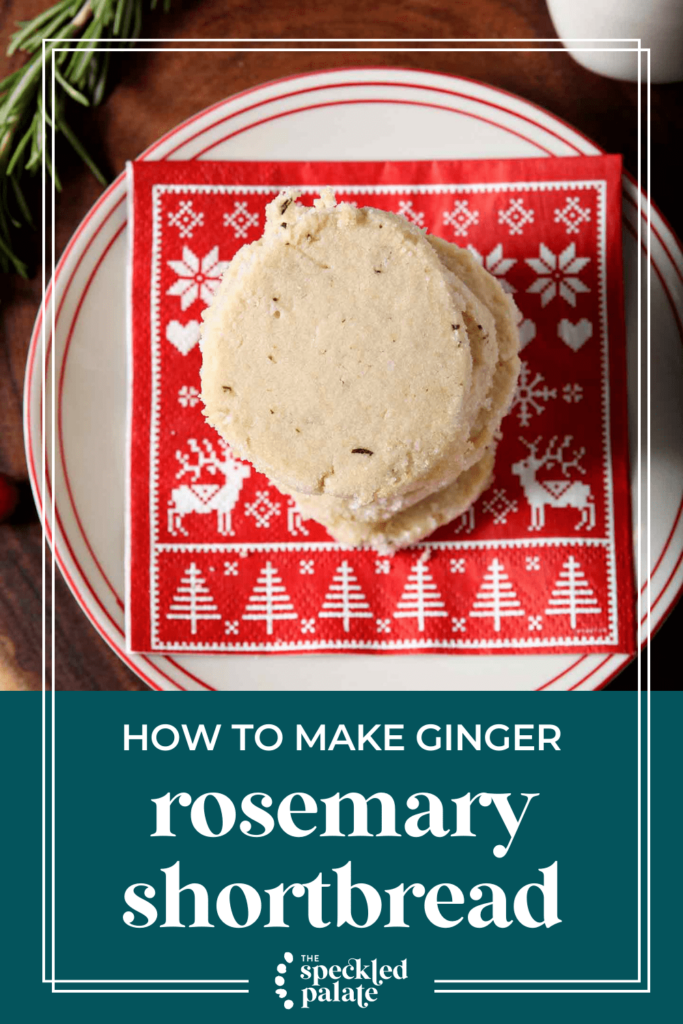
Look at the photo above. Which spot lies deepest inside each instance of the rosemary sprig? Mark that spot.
(80, 77)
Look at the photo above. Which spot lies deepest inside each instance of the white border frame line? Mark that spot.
(364, 39)
(43, 608)
(355, 49)
(53, 981)
(151, 991)
(639, 506)
(56, 50)
(649, 503)
(641, 50)
(609, 667)
(53, 501)
(403, 49)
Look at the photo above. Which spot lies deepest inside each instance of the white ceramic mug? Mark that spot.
(657, 23)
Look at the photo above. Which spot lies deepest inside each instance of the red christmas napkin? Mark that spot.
(219, 560)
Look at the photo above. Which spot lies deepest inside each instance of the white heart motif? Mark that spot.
(183, 336)
(575, 335)
(527, 333)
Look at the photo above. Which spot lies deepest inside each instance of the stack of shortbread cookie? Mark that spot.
(363, 365)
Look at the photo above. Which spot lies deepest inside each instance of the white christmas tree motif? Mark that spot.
(530, 395)
(197, 278)
(240, 220)
(461, 218)
(186, 219)
(192, 600)
(345, 599)
(572, 595)
(269, 601)
(420, 598)
(496, 598)
(515, 216)
(406, 209)
(558, 273)
(572, 215)
(496, 264)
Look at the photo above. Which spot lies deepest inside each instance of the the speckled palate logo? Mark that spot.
(306, 980)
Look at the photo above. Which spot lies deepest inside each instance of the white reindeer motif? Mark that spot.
(564, 493)
(205, 498)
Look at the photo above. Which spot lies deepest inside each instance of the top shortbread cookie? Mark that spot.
(335, 353)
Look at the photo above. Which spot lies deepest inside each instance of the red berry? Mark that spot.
(9, 496)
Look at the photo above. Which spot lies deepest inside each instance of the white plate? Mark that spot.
(354, 114)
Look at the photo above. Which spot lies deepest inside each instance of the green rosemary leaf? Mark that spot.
(77, 70)
(29, 29)
(23, 205)
(117, 19)
(126, 20)
(39, 127)
(52, 171)
(16, 156)
(137, 21)
(49, 31)
(6, 83)
(82, 152)
(11, 260)
(20, 89)
(71, 90)
(101, 83)
(36, 149)
(83, 57)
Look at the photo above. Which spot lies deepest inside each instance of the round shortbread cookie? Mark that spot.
(487, 289)
(414, 523)
(483, 396)
(495, 367)
(335, 355)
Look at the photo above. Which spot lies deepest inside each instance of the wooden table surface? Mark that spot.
(151, 93)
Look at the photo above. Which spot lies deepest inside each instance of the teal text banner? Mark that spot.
(286, 865)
